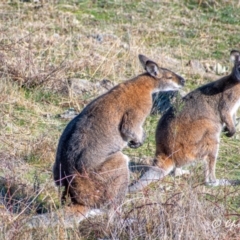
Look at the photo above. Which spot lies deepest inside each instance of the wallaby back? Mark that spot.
(192, 132)
(91, 143)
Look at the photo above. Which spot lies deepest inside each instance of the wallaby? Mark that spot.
(89, 163)
(192, 132)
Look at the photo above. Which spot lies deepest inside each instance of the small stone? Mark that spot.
(219, 69)
(196, 66)
(69, 114)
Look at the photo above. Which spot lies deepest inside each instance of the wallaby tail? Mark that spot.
(68, 217)
(152, 175)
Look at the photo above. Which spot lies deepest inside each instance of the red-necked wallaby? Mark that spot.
(89, 162)
(193, 131)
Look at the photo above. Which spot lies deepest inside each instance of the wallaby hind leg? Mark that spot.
(115, 173)
(66, 217)
(161, 168)
(102, 185)
(210, 178)
(210, 169)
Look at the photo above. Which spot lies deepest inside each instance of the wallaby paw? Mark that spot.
(229, 133)
(220, 182)
(133, 144)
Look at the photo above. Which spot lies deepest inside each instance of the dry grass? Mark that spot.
(44, 46)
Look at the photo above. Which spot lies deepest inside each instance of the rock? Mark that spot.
(196, 66)
(98, 37)
(208, 67)
(104, 86)
(69, 114)
(219, 69)
(80, 86)
(125, 45)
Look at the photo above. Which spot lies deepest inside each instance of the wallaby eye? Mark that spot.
(168, 76)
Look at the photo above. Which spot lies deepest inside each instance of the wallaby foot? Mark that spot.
(223, 182)
(67, 217)
(152, 175)
(179, 172)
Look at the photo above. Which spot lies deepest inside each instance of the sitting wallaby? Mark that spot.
(193, 131)
(89, 162)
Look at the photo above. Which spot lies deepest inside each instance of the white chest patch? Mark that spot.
(235, 107)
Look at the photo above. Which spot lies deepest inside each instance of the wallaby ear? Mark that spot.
(150, 66)
(235, 57)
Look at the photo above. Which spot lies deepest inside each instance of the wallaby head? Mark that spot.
(192, 131)
(230, 100)
(166, 80)
(235, 57)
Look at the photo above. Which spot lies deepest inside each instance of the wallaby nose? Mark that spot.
(182, 81)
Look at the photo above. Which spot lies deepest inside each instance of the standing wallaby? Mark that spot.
(193, 131)
(89, 162)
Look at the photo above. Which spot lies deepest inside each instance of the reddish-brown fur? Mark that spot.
(89, 162)
(192, 132)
